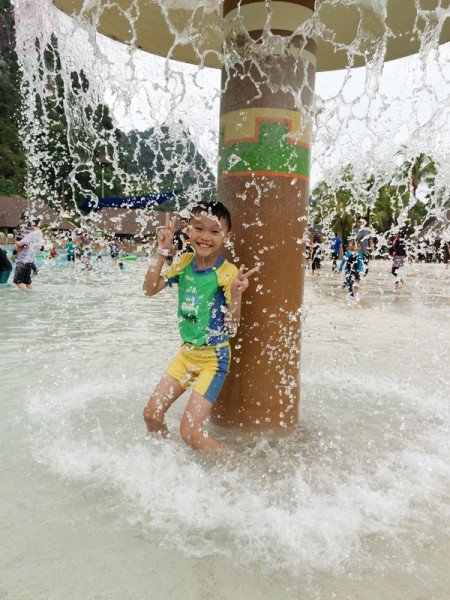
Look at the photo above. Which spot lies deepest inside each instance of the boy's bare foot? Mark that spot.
(155, 425)
(202, 442)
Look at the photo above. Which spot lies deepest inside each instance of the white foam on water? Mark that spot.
(311, 502)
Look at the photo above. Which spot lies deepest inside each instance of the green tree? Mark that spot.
(12, 157)
(418, 169)
(76, 152)
(391, 200)
(156, 164)
(6, 187)
(335, 208)
(67, 135)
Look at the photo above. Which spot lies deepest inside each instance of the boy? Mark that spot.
(209, 306)
(353, 263)
(336, 251)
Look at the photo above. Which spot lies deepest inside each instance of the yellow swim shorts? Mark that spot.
(206, 365)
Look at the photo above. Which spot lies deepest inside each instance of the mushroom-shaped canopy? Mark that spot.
(347, 33)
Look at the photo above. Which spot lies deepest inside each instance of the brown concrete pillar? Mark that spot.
(268, 86)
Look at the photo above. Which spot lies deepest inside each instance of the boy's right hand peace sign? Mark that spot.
(240, 282)
(164, 235)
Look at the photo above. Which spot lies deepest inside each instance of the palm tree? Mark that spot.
(334, 209)
(390, 201)
(418, 169)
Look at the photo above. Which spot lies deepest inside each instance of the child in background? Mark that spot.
(353, 265)
(316, 255)
(398, 260)
(336, 251)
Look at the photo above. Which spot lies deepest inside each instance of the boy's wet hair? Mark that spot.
(215, 209)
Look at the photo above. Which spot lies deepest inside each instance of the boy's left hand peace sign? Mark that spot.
(240, 282)
(164, 235)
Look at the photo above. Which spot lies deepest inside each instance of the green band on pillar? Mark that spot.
(271, 153)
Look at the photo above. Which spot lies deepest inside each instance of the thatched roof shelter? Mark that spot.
(121, 222)
(12, 207)
(125, 222)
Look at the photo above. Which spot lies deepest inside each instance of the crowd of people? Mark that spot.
(352, 257)
(355, 256)
(29, 243)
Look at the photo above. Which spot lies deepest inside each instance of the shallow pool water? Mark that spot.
(353, 504)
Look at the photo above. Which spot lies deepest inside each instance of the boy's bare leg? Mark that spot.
(197, 410)
(165, 394)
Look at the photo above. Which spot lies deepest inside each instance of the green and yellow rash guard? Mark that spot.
(203, 296)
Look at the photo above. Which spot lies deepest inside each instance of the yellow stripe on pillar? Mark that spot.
(243, 125)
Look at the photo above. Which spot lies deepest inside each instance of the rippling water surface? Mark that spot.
(355, 504)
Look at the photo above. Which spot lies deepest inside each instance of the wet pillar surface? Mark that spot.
(265, 135)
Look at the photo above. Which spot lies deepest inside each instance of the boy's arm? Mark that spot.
(233, 315)
(238, 287)
(153, 282)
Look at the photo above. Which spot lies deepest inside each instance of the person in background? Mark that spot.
(445, 252)
(307, 256)
(181, 241)
(398, 259)
(5, 267)
(114, 250)
(353, 265)
(336, 251)
(316, 255)
(363, 235)
(21, 231)
(27, 250)
(70, 249)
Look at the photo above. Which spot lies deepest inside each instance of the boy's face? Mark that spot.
(207, 234)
